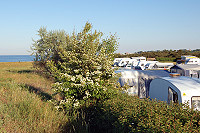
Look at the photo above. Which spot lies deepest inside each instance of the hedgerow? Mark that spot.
(143, 115)
(124, 113)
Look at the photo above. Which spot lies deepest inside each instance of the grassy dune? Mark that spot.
(23, 101)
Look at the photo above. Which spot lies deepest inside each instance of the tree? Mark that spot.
(80, 64)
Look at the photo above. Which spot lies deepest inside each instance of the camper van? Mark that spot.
(188, 59)
(123, 62)
(176, 89)
(144, 65)
(134, 62)
(192, 61)
(116, 61)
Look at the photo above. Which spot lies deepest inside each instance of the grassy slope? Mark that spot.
(23, 105)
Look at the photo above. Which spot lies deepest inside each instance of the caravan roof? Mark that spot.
(187, 66)
(184, 83)
(155, 73)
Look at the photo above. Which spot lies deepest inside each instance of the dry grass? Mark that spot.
(24, 105)
(22, 73)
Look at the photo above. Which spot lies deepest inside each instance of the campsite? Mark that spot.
(123, 112)
(100, 66)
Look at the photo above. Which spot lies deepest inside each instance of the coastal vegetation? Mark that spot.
(24, 96)
(71, 87)
(80, 63)
(25, 107)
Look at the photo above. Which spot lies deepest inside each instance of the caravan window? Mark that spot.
(196, 102)
(172, 96)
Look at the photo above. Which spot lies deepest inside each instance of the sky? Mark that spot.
(140, 25)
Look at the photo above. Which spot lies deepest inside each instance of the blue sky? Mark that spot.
(141, 25)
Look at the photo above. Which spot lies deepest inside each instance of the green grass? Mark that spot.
(24, 105)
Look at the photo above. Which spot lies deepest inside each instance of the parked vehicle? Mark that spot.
(139, 80)
(192, 61)
(116, 61)
(150, 64)
(176, 89)
(124, 61)
(188, 59)
(146, 64)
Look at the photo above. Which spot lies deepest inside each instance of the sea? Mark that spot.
(16, 58)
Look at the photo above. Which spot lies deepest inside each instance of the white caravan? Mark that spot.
(192, 61)
(176, 89)
(132, 63)
(143, 65)
(128, 61)
(124, 61)
(139, 80)
(188, 59)
(116, 61)
(136, 60)
(150, 64)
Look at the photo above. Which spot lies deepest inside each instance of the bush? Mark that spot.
(79, 63)
(132, 114)
(124, 113)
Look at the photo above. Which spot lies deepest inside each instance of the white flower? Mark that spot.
(87, 93)
(104, 89)
(68, 100)
(79, 76)
(76, 104)
(57, 107)
(57, 83)
(62, 101)
(76, 71)
(66, 89)
(72, 78)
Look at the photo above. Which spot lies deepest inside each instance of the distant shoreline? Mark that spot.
(16, 58)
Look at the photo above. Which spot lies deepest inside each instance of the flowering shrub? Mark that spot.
(79, 63)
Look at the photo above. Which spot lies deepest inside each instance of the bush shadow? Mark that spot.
(91, 119)
(21, 71)
(100, 119)
(43, 95)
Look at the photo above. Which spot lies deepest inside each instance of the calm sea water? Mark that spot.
(16, 58)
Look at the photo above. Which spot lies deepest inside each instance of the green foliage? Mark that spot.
(80, 64)
(165, 59)
(124, 113)
(163, 55)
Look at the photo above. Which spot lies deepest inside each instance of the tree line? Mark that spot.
(162, 55)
